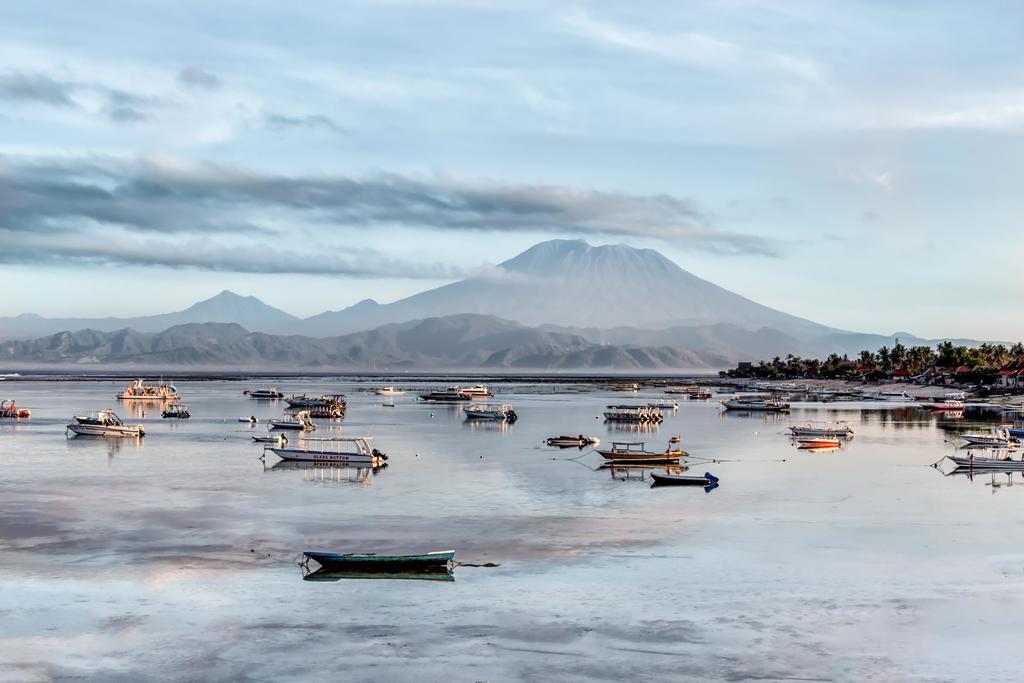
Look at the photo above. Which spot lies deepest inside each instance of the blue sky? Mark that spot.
(854, 163)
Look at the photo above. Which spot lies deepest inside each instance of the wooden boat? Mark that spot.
(487, 411)
(103, 423)
(427, 562)
(301, 422)
(810, 429)
(10, 411)
(177, 411)
(264, 393)
(683, 479)
(390, 391)
(138, 390)
(819, 442)
(579, 441)
(635, 452)
(337, 450)
(957, 462)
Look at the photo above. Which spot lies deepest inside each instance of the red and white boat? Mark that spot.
(819, 442)
(10, 411)
(951, 405)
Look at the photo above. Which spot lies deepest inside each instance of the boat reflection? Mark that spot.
(639, 471)
(767, 417)
(113, 445)
(327, 473)
(633, 427)
(322, 574)
(488, 425)
(994, 479)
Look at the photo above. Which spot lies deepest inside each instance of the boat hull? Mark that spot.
(625, 457)
(335, 457)
(438, 561)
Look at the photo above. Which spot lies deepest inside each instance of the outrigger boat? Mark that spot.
(757, 403)
(580, 441)
(629, 413)
(10, 411)
(635, 452)
(840, 429)
(487, 411)
(440, 561)
(140, 391)
(264, 393)
(103, 423)
(952, 463)
(301, 422)
(683, 479)
(335, 450)
(178, 411)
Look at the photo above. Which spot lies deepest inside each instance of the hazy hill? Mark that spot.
(462, 341)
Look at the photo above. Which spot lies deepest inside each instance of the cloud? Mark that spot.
(698, 50)
(313, 121)
(165, 196)
(36, 88)
(195, 77)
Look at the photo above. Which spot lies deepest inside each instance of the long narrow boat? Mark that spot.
(579, 441)
(755, 403)
(635, 452)
(958, 462)
(840, 429)
(435, 561)
(683, 479)
(431, 574)
(334, 450)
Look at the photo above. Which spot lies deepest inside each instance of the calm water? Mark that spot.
(175, 557)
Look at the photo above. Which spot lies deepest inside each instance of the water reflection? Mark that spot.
(111, 444)
(501, 426)
(326, 473)
(633, 427)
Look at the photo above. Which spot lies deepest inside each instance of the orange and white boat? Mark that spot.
(819, 442)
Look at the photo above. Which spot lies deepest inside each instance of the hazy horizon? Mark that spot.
(840, 163)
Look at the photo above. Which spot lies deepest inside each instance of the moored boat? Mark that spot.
(449, 395)
(683, 479)
(664, 405)
(426, 562)
(103, 423)
(839, 429)
(631, 413)
(271, 438)
(776, 404)
(264, 393)
(819, 442)
(958, 462)
(304, 401)
(488, 411)
(9, 410)
(951, 405)
(138, 390)
(636, 452)
(177, 411)
(478, 391)
(579, 441)
(337, 450)
(301, 422)
(998, 438)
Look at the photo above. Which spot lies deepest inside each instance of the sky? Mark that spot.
(854, 163)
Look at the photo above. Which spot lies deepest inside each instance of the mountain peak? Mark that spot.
(575, 257)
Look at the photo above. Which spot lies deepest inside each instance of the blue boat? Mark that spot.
(436, 561)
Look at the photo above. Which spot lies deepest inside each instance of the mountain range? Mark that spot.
(560, 297)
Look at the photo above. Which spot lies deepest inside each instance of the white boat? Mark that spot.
(839, 429)
(627, 413)
(760, 403)
(488, 411)
(953, 463)
(264, 393)
(103, 423)
(337, 450)
(390, 391)
(138, 390)
(478, 391)
(177, 411)
(664, 405)
(301, 422)
(998, 438)
(271, 438)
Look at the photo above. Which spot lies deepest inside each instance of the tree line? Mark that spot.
(913, 359)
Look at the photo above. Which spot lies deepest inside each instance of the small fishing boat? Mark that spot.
(579, 441)
(819, 442)
(337, 450)
(683, 479)
(488, 411)
(271, 438)
(138, 390)
(958, 462)
(390, 391)
(776, 404)
(840, 429)
(252, 419)
(439, 561)
(635, 452)
(304, 401)
(103, 423)
(664, 405)
(177, 411)
(263, 393)
(301, 422)
(10, 411)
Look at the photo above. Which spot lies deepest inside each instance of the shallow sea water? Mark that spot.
(175, 557)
